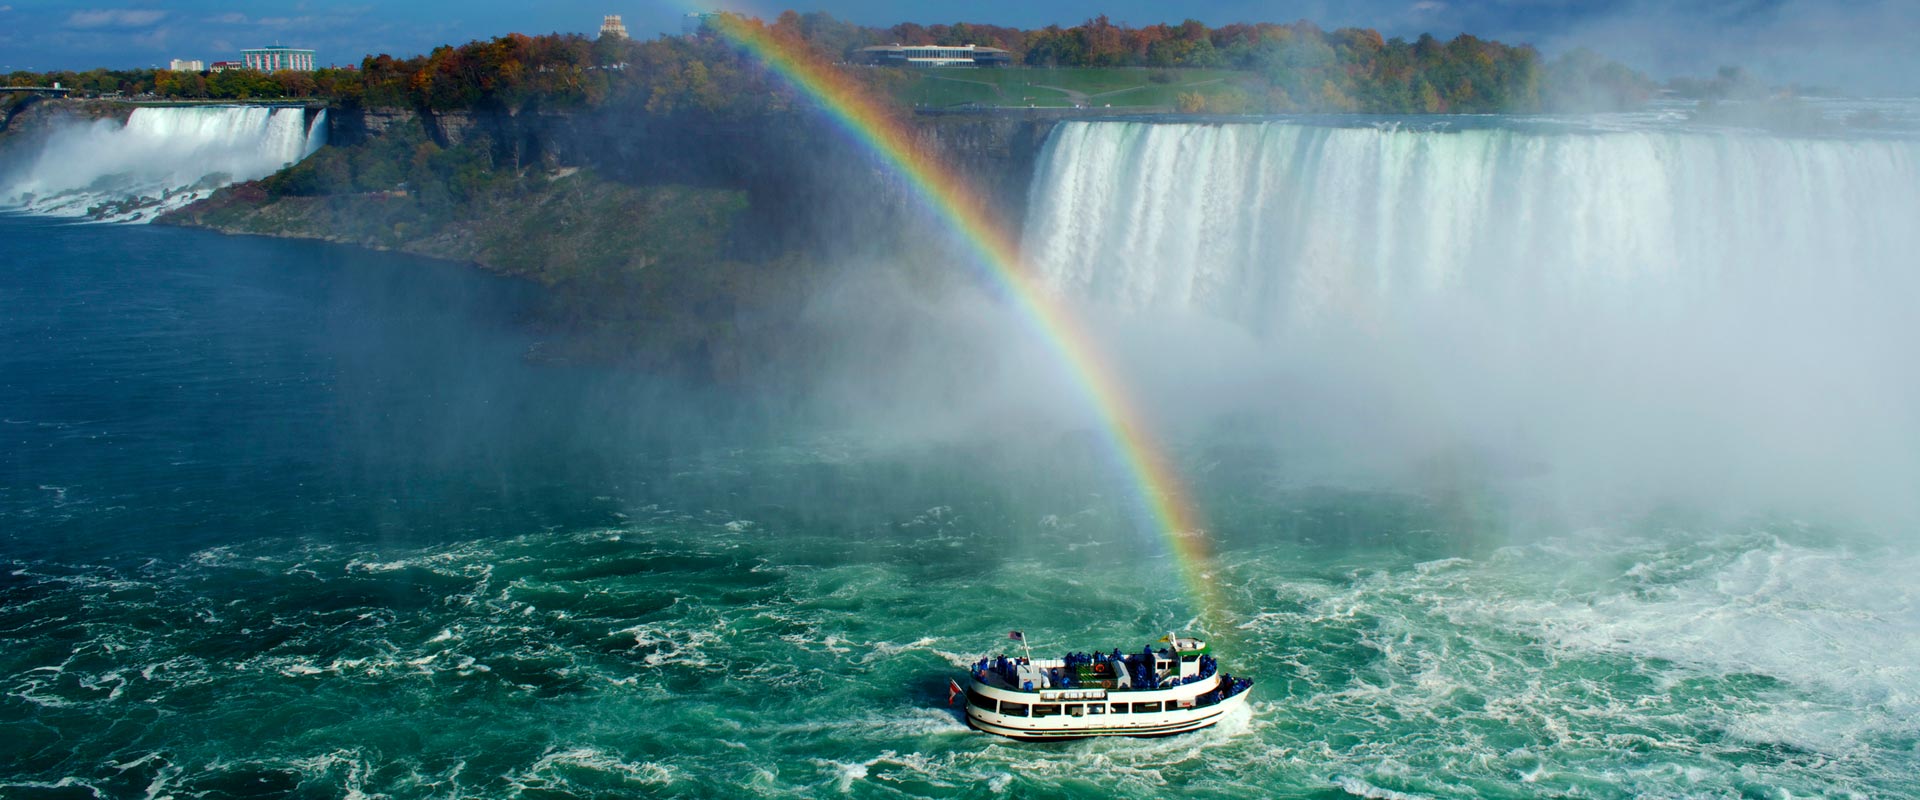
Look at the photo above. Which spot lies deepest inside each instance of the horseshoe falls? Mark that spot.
(1652, 313)
(1282, 225)
(1536, 460)
(158, 160)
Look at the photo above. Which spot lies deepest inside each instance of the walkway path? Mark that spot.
(1086, 100)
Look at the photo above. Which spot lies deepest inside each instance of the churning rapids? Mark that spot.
(159, 160)
(1536, 461)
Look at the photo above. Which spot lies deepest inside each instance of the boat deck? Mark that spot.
(1147, 670)
(1149, 693)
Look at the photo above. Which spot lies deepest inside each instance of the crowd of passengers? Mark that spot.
(1139, 667)
(1229, 686)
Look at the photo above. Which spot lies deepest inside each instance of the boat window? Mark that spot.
(1097, 708)
(1119, 708)
(981, 701)
(1013, 709)
(1076, 711)
(1146, 708)
(1047, 710)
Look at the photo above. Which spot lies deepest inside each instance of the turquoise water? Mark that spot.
(288, 520)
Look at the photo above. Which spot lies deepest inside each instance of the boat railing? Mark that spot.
(1229, 687)
(1075, 668)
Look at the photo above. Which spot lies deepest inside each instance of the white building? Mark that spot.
(185, 65)
(935, 55)
(274, 58)
(612, 26)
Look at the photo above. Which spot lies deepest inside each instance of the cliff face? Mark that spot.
(781, 162)
(31, 116)
(997, 151)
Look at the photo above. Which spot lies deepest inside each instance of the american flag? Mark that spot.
(1016, 636)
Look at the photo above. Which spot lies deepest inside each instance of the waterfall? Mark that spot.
(1280, 225)
(160, 159)
(1652, 310)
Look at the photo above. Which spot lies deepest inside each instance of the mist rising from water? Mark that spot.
(1624, 317)
(160, 159)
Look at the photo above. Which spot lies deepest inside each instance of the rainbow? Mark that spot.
(877, 127)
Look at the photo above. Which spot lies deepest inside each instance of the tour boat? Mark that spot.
(1174, 689)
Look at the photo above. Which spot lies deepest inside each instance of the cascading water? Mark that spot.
(161, 159)
(1279, 225)
(1662, 306)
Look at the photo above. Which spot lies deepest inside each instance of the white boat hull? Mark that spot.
(1150, 693)
(1062, 726)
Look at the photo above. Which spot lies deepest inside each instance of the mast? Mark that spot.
(1022, 639)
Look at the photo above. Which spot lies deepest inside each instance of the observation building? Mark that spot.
(935, 55)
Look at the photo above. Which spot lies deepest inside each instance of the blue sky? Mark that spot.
(1867, 45)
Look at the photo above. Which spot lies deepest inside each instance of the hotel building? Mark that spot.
(274, 58)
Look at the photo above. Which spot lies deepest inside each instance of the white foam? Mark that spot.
(1361, 788)
(846, 773)
(68, 782)
(354, 765)
(671, 646)
(548, 771)
(1840, 623)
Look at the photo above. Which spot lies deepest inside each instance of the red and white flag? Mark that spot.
(953, 690)
(1016, 636)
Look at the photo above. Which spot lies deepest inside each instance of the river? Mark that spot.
(290, 519)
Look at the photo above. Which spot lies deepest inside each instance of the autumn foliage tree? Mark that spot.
(1292, 67)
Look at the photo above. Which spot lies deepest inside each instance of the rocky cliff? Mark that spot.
(770, 157)
(30, 116)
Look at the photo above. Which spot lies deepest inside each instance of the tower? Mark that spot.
(612, 26)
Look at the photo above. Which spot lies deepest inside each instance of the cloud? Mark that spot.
(1863, 46)
(153, 39)
(114, 18)
(235, 18)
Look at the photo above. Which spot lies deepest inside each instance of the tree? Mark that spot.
(1303, 67)
(294, 83)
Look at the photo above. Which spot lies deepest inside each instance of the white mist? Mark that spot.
(1627, 317)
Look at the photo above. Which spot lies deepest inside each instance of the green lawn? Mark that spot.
(1094, 87)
